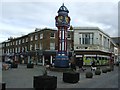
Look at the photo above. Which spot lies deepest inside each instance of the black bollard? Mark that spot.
(3, 86)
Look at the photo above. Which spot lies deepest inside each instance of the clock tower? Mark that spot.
(62, 23)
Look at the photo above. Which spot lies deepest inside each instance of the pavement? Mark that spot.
(22, 77)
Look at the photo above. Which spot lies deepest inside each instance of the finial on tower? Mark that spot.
(63, 4)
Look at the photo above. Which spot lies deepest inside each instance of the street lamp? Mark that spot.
(37, 54)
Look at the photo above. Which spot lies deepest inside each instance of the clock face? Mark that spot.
(60, 19)
(66, 19)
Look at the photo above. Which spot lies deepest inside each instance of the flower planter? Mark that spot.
(89, 74)
(30, 65)
(104, 70)
(3, 86)
(14, 65)
(71, 77)
(45, 82)
(97, 72)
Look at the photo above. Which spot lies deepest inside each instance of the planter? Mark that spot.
(97, 72)
(108, 69)
(3, 86)
(98, 68)
(14, 65)
(104, 70)
(89, 74)
(71, 77)
(45, 82)
(30, 65)
(117, 64)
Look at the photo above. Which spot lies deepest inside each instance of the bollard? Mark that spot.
(3, 86)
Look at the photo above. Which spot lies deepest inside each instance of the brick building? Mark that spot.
(37, 46)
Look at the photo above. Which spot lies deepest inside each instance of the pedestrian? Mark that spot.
(79, 63)
(73, 63)
(98, 63)
(93, 66)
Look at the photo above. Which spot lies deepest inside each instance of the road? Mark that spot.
(23, 78)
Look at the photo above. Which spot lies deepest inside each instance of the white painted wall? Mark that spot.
(96, 37)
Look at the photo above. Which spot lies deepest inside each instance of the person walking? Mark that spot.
(80, 64)
(93, 66)
(73, 63)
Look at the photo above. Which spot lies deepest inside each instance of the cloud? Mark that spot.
(23, 16)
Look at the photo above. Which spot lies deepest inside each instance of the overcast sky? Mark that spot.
(20, 17)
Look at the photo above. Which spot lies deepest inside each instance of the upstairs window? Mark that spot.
(52, 35)
(68, 35)
(31, 38)
(41, 36)
(36, 37)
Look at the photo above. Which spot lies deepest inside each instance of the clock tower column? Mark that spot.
(62, 23)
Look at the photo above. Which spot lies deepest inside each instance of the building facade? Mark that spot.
(91, 43)
(116, 40)
(37, 47)
(40, 46)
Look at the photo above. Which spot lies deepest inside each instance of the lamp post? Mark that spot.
(37, 54)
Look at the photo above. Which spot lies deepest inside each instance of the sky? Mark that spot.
(20, 17)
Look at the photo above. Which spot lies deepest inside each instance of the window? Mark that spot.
(23, 41)
(25, 48)
(80, 39)
(31, 47)
(100, 39)
(86, 38)
(41, 36)
(68, 35)
(3, 51)
(108, 42)
(19, 41)
(52, 35)
(104, 41)
(13, 43)
(13, 50)
(31, 38)
(3, 45)
(52, 45)
(91, 38)
(36, 37)
(35, 46)
(8, 44)
(8, 51)
(40, 46)
(26, 39)
(16, 42)
(16, 50)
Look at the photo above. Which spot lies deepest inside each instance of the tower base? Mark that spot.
(61, 62)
